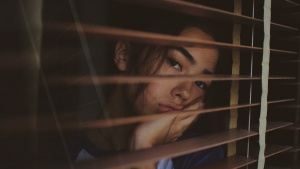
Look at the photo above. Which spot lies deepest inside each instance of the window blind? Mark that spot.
(72, 73)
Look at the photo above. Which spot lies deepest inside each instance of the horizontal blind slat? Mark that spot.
(168, 150)
(272, 125)
(294, 127)
(294, 149)
(241, 161)
(270, 150)
(21, 127)
(174, 149)
(122, 121)
(146, 37)
(97, 80)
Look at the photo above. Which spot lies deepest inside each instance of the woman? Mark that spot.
(157, 97)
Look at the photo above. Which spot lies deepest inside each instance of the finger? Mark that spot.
(195, 106)
(188, 121)
(185, 116)
(177, 129)
(180, 125)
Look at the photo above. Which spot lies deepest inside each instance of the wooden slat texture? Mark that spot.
(293, 2)
(122, 121)
(129, 159)
(270, 150)
(207, 12)
(294, 149)
(111, 33)
(97, 80)
(272, 125)
(234, 162)
(294, 127)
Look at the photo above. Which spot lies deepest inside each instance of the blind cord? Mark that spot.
(251, 74)
(264, 80)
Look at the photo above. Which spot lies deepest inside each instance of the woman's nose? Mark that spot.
(182, 90)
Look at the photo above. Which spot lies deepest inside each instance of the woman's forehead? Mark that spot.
(195, 33)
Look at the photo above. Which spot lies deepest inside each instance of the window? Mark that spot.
(57, 72)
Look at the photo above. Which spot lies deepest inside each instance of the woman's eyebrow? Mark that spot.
(185, 53)
(207, 72)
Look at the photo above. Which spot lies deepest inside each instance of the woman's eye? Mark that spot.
(174, 63)
(201, 85)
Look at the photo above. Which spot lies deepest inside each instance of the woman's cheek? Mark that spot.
(144, 103)
(197, 92)
(153, 95)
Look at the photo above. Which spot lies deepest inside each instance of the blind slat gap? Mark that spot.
(297, 114)
(208, 12)
(28, 95)
(265, 75)
(87, 54)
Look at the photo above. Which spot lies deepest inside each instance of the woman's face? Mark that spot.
(161, 97)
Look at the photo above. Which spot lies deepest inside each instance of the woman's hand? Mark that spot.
(164, 130)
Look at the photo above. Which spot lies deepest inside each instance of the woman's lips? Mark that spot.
(169, 107)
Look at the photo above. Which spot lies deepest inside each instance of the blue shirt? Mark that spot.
(187, 161)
